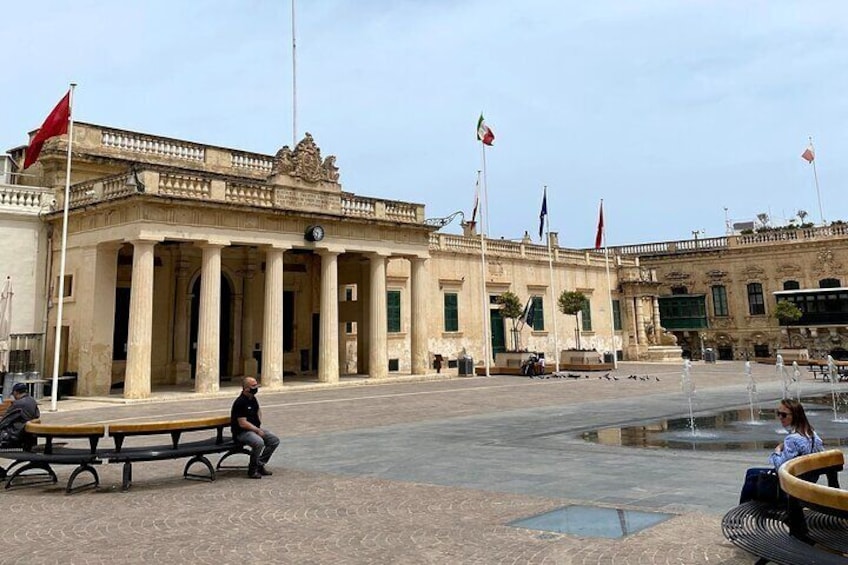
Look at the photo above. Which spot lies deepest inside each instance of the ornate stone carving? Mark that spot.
(305, 163)
(667, 338)
(753, 273)
(787, 270)
(716, 275)
(283, 163)
(825, 263)
(330, 170)
(677, 276)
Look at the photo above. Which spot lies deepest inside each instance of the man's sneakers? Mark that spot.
(258, 473)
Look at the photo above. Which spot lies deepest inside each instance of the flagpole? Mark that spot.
(816, 178)
(551, 270)
(54, 396)
(609, 292)
(294, 81)
(484, 220)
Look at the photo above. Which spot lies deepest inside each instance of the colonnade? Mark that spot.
(137, 383)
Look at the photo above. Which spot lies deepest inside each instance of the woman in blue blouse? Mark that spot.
(801, 440)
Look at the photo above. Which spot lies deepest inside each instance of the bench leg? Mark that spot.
(127, 479)
(241, 450)
(48, 476)
(85, 467)
(196, 477)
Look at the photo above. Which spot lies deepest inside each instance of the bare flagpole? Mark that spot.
(816, 178)
(484, 221)
(57, 349)
(609, 290)
(294, 81)
(553, 289)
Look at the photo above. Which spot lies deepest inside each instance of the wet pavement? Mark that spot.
(423, 471)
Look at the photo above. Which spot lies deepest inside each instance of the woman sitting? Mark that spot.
(801, 440)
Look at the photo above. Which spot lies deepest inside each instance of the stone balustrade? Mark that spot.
(151, 145)
(252, 162)
(513, 249)
(185, 186)
(26, 200)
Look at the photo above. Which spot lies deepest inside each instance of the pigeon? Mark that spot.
(658, 379)
(614, 378)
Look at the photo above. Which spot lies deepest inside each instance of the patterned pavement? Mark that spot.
(418, 472)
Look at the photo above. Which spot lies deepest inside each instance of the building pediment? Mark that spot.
(303, 163)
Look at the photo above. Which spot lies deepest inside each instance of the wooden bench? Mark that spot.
(27, 460)
(196, 450)
(787, 533)
(85, 459)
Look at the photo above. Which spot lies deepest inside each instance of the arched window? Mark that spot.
(791, 285)
(829, 283)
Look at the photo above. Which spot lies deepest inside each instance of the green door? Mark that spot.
(498, 334)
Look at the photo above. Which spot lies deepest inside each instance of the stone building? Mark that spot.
(189, 263)
(720, 293)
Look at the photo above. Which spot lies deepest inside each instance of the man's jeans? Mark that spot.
(261, 449)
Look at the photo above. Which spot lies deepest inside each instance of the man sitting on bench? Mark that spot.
(23, 409)
(246, 427)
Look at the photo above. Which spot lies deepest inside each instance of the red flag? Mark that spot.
(808, 155)
(55, 124)
(600, 235)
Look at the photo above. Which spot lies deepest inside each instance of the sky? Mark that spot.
(678, 114)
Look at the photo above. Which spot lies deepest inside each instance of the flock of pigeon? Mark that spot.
(561, 375)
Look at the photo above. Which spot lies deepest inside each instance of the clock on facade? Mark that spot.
(314, 233)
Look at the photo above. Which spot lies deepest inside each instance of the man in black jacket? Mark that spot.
(246, 423)
(23, 409)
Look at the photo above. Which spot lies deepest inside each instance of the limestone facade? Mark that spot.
(739, 278)
(189, 263)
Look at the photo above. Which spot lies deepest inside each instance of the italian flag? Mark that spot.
(484, 132)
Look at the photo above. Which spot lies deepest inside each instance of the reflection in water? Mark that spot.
(729, 430)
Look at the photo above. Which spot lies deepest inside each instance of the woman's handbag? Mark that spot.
(768, 487)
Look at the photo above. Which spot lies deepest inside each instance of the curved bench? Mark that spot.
(196, 451)
(27, 460)
(786, 533)
(84, 459)
(829, 524)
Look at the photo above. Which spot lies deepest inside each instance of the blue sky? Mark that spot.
(670, 111)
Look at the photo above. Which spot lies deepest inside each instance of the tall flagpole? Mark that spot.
(553, 289)
(816, 178)
(609, 290)
(484, 222)
(57, 349)
(294, 82)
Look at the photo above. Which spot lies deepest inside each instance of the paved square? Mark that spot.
(412, 472)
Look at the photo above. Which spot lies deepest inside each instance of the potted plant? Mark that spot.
(571, 303)
(511, 309)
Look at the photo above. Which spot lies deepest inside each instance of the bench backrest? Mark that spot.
(813, 494)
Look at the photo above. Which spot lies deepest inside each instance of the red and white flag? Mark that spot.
(484, 132)
(55, 124)
(599, 236)
(809, 155)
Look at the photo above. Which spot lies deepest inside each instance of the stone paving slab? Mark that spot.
(410, 472)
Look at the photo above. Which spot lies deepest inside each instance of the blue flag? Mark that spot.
(543, 213)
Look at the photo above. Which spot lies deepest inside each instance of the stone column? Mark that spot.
(328, 356)
(363, 327)
(631, 315)
(140, 334)
(640, 321)
(655, 302)
(272, 330)
(378, 352)
(250, 295)
(182, 301)
(418, 318)
(96, 298)
(207, 374)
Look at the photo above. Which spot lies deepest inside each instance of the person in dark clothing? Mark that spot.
(23, 409)
(246, 422)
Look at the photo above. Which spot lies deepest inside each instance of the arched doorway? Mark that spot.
(224, 346)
